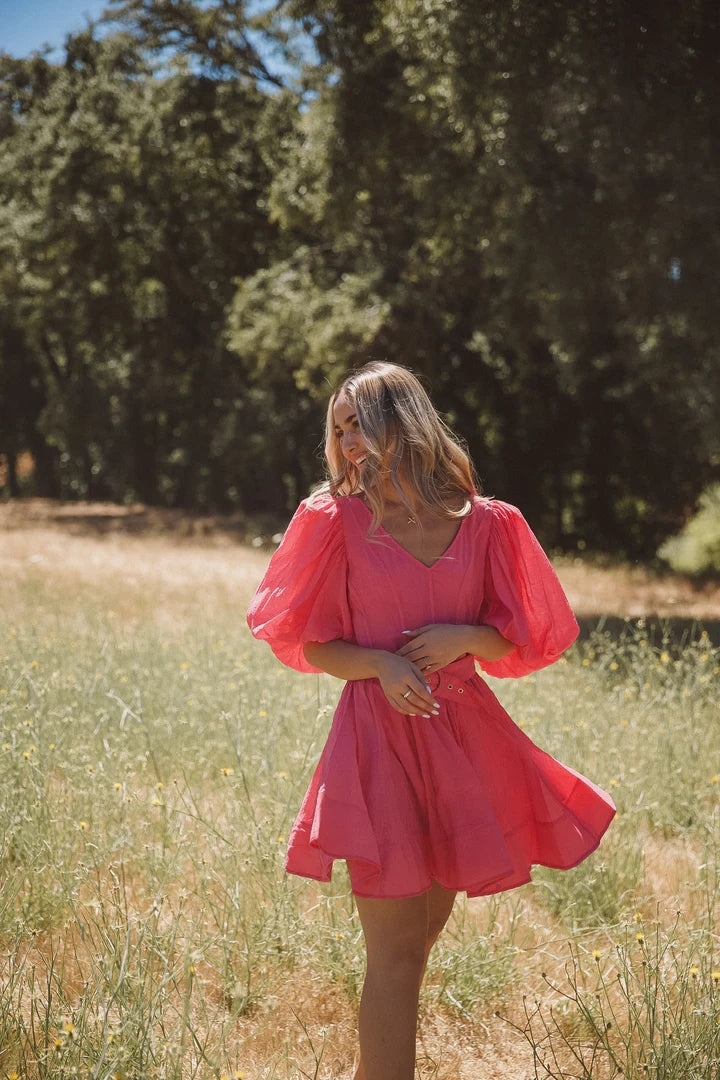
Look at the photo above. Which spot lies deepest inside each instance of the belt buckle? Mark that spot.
(433, 681)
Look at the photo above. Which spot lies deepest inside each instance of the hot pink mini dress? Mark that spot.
(464, 799)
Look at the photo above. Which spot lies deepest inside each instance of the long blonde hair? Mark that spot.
(405, 437)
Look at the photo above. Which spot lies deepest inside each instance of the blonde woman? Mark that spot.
(397, 577)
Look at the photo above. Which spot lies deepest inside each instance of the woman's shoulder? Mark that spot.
(315, 526)
(321, 501)
(495, 510)
(488, 507)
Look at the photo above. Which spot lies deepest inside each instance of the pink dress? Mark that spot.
(465, 799)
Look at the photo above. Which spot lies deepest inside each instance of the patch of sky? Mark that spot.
(43, 26)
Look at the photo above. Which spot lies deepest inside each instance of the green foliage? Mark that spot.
(517, 201)
(696, 550)
(511, 171)
(131, 204)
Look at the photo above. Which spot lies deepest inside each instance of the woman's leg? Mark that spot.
(440, 904)
(398, 936)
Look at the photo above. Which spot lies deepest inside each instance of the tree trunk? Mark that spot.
(11, 477)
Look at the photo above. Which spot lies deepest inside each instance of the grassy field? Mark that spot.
(153, 757)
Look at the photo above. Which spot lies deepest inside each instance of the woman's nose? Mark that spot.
(349, 440)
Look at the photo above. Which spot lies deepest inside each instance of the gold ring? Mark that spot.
(407, 693)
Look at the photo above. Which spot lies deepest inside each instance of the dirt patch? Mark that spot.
(103, 518)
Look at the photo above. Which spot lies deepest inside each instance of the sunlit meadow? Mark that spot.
(152, 759)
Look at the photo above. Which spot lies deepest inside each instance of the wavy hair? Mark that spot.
(405, 439)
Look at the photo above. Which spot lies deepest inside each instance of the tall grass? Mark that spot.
(152, 760)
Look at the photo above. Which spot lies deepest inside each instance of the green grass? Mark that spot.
(150, 769)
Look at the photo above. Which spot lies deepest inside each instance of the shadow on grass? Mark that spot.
(675, 632)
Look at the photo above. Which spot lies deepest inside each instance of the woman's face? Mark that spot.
(347, 431)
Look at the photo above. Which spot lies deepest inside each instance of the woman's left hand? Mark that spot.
(435, 645)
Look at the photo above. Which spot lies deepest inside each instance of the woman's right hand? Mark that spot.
(397, 676)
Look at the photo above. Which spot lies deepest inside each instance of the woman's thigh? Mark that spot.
(404, 927)
(394, 929)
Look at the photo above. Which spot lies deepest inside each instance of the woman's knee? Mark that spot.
(395, 934)
(440, 905)
(398, 950)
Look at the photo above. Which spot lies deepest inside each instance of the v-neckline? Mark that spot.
(426, 566)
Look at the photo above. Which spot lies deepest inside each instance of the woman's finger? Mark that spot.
(420, 693)
(414, 699)
(412, 649)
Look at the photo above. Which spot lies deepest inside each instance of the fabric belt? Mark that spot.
(449, 681)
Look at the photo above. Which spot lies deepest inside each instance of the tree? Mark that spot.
(133, 199)
(517, 200)
(509, 170)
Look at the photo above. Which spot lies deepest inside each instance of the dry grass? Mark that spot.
(634, 591)
(263, 972)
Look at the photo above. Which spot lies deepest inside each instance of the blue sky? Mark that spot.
(26, 25)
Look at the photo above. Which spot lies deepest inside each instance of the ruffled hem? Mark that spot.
(470, 890)
(473, 807)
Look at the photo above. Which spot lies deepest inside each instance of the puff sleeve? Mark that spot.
(303, 594)
(523, 598)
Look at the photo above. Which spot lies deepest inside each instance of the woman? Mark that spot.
(397, 577)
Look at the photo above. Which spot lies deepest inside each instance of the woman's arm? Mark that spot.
(437, 644)
(396, 674)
